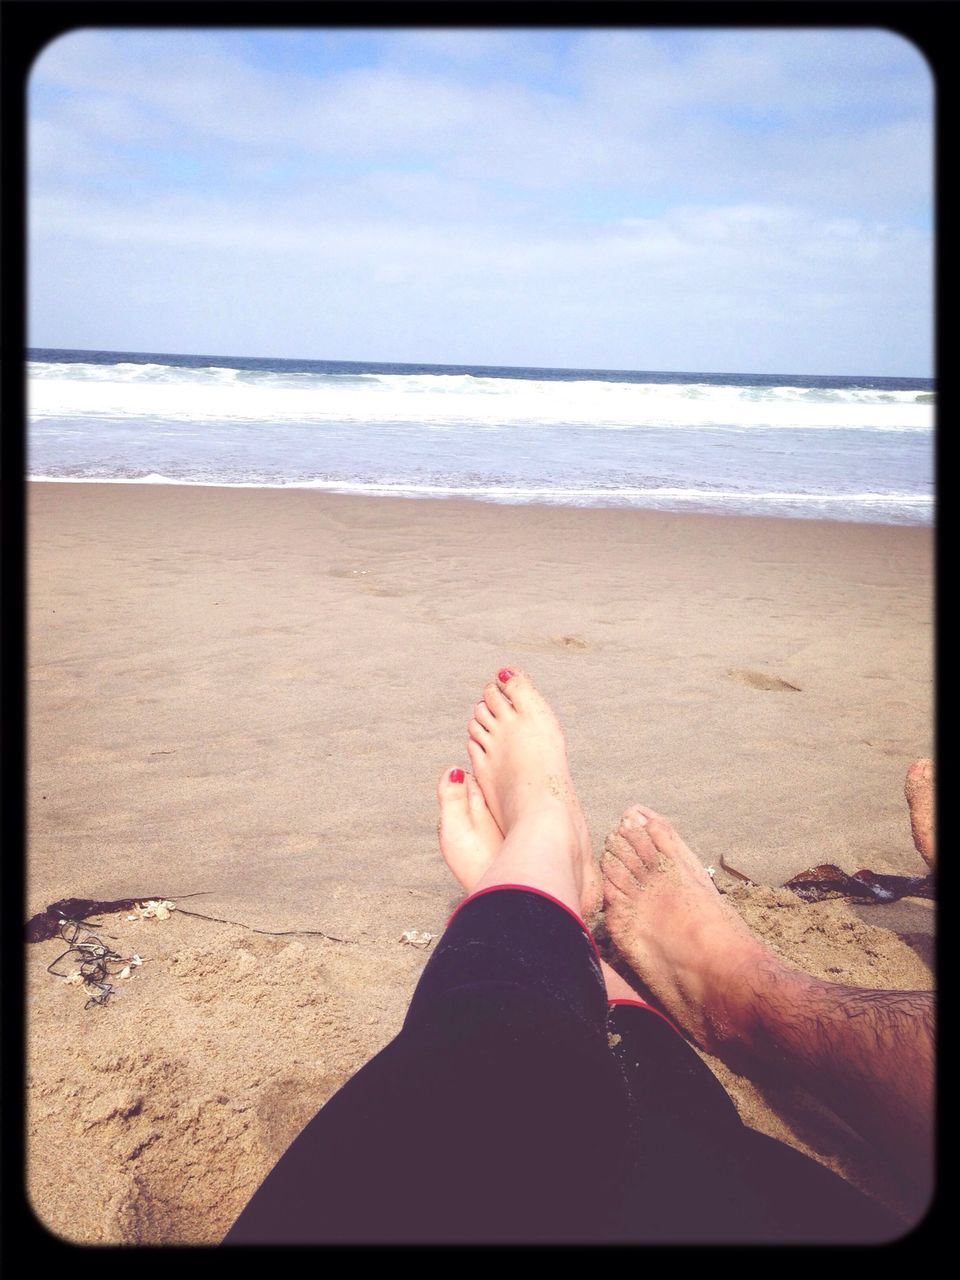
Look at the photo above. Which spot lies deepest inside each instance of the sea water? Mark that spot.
(835, 448)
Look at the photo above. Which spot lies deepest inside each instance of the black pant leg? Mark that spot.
(701, 1176)
(497, 1115)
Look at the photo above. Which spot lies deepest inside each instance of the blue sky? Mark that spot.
(706, 200)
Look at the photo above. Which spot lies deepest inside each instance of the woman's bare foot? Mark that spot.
(470, 841)
(469, 836)
(519, 757)
(690, 948)
(919, 792)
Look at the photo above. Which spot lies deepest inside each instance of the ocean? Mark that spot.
(828, 448)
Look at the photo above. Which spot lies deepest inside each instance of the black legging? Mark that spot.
(517, 1106)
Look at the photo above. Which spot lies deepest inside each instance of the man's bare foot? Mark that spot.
(519, 757)
(919, 792)
(867, 1054)
(690, 948)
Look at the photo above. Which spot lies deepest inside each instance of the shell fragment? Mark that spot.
(414, 938)
(158, 909)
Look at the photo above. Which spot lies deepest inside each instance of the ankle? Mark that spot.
(546, 824)
(539, 851)
(755, 986)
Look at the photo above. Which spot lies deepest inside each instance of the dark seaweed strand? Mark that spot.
(95, 957)
(46, 924)
(865, 886)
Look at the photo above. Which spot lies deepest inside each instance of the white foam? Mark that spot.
(552, 493)
(451, 401)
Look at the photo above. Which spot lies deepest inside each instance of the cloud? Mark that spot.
(748, 250)
(638, 111)
(585, 185)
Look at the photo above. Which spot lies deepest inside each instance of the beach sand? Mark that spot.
(240, 700)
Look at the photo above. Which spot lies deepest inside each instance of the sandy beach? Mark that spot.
(239, 700)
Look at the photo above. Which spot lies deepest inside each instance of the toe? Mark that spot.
(475, 797)
(517, 686)
(615, 872)
(919, 790)
(919, 775)
(612, 899)
(659, 828)
(495, 700)
(477, 755)
(636, 817)
(663, 833)
(451, 794)
(613, 895)
(483, 714)
(477, 733)
(450, 788)
(634, 848)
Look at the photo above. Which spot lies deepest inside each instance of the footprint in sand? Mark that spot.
(271, 631)
(570, 642)
(897, 747)
(760, 680)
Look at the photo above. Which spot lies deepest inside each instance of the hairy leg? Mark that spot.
(867, 1054)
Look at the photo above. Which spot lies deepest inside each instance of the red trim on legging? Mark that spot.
(642, 1004)
(528, 889)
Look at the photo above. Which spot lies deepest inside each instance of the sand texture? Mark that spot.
(240, 700)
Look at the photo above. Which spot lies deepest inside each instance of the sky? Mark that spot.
(692, 200)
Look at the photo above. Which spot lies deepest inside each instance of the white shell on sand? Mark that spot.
(416, 939)
(158, 909)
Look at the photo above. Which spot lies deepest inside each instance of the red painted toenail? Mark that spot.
(456, 775)
(505, 674)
